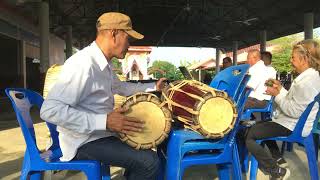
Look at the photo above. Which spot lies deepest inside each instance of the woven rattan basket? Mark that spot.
(51, 78)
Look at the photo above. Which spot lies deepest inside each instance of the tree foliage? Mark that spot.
(282, 53)
(171, 72)
(116, 63)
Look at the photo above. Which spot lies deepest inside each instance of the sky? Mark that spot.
(174, 55)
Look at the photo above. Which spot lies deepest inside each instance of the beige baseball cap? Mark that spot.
(115, 20)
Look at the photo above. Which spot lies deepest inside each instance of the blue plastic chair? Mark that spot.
(230, 80)
(36, 161)
(183, 141)
(266, 112)
(296, 137)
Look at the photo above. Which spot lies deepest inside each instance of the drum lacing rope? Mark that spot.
(186, 121)
(170, 102)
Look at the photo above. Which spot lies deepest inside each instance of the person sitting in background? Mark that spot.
(305, 61)
(266, 57)
(226, 62)
(259, 74)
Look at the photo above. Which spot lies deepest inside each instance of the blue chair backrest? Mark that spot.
(297, 132)
(242, 89)
(230, 79)
(22, 100)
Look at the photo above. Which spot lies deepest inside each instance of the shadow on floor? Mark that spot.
(11, 167)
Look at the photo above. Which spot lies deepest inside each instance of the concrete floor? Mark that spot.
(12, 148)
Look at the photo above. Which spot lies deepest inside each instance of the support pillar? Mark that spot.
(263, 40)
(24, 63)
(235, 53)
(217, 60)
(44, 36)
(308, 25)
(69, 42)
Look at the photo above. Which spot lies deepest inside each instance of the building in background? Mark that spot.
(135, 64)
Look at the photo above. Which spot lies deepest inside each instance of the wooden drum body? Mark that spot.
(157, 118)
(201, 108)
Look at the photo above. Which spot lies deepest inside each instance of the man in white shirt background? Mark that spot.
(81, 103)
(259, 75)
(266, 57)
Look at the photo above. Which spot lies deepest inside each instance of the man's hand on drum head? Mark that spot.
(161, 83)
(118, 122)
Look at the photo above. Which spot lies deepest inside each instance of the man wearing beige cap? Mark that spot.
(81, 103)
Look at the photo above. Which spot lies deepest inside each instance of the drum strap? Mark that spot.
(178, 88)
(171, 103)
(186, 121)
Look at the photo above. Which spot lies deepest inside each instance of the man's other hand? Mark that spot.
(275, 89)
(160, 84)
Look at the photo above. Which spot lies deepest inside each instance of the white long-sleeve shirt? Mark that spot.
(259, 75)
(292, 103)
(82, 97)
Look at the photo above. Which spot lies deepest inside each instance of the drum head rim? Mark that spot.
(196, 119)
(168, 117)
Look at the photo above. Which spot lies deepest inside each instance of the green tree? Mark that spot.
(116, 63)
(282, 53)
(171, 72)
(187, 63)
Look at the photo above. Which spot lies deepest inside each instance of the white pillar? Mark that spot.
(308, 25)
(263, 40)
(235, 53)
(44, 36)
(69, 42)
(217, 60)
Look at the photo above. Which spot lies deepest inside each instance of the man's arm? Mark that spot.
(60, 106)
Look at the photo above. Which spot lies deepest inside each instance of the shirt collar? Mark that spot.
(99, 57)
(308, 72)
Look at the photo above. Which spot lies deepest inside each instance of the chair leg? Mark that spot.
(312, 162)
(174, 156)
(289, 146)
(223, 171)
(283, 146)
(35, 175)
(316, 144)
(25, 167)
(245, 163)
(105, 171)
(94, 172)
(237, 175)
(162, 165)
(243, 155)
(253, 168)
(24, 175)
